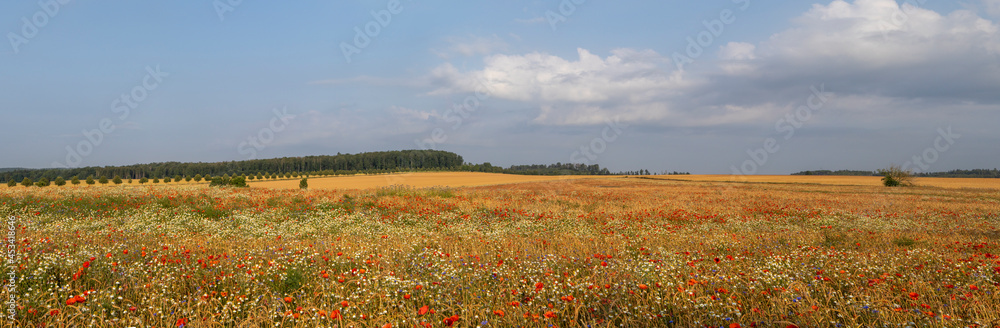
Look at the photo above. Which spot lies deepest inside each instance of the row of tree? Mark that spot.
(976, 173)
(372, 162)
(91, 180)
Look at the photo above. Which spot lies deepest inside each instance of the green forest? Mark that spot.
(371, 162)
(289, 167)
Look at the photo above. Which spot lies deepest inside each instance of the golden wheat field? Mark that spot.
(838, 180)
(418, 180)
(597, 252)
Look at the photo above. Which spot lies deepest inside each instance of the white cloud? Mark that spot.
(881, 33)
(734, 57)
(473, 46)
(992, 7)
(875, 54)
(583, 91)
(737, 51)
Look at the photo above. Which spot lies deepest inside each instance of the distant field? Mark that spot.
(839, 180)
(418, 180)
(472, 179)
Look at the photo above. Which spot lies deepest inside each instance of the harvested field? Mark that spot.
(418, 180)
(837, 180)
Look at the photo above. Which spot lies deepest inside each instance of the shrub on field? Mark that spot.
(60, 181)
(74, 180)
(103, 180)
(117, 180)
(90, 180)
(27, 182)
(895, 176)
(143, 180)
(43, 182)
(11, 183)
(303, 184)
(197, 178)
(166, 179)
(156, 180)
(187, 178)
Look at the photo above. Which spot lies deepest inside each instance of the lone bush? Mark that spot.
(895, 176)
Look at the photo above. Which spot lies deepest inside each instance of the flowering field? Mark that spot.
(610, 252)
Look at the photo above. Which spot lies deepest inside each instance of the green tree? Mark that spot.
(103, 180)
(303, 184)
(43, 182)
(90, 180)
(197, 178)
(166, 179)
(74, 180)
(143, 180)
(187, 178)
(27, 182)
(208, 177)
(11, 183)
(177, 178)
(117, 180)
(129, 181)
(156, 180)
(239, 181)
(896, 176)
(60, 181)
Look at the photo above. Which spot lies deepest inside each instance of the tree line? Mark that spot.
(975, 173)
(371, 162)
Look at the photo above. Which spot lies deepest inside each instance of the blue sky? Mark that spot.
(594, 82)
